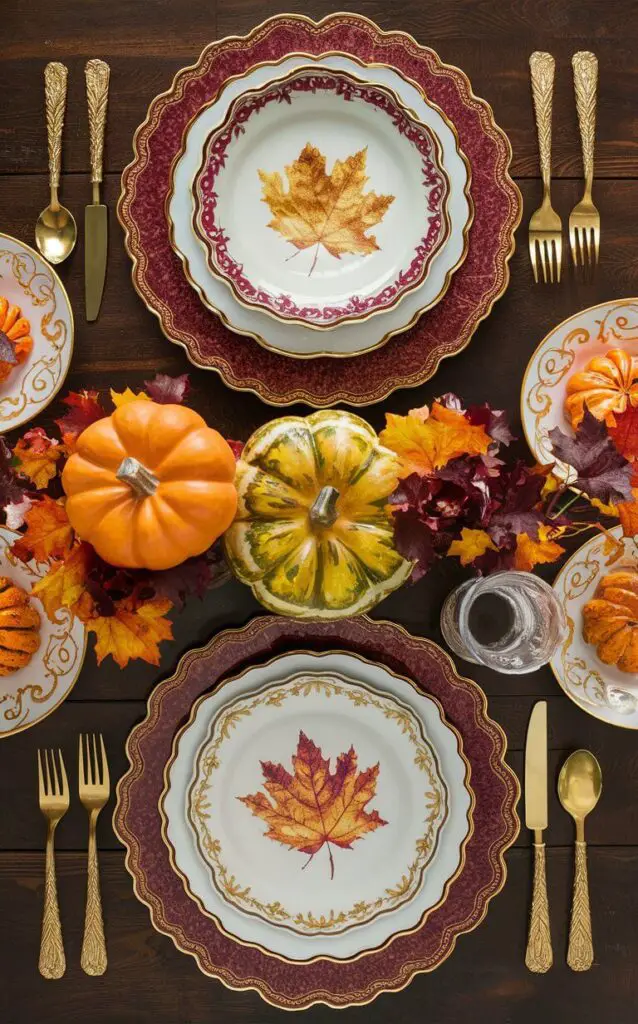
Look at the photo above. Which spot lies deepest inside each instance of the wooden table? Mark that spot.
(145, 43)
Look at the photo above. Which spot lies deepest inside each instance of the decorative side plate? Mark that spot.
(601, 690)
(563, 352)
(314, 168)
(28, 281)
(240, 965)
(33, 692)
(405, 361)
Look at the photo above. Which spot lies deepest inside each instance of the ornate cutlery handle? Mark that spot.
(97, 92)
(580, 952)
(542, 67)
(539, 957)
(55, 75)
(585, 68)
(52, 962)
(93, 958)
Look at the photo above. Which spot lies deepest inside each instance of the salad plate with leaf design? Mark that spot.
(321, 199)
(319, 806)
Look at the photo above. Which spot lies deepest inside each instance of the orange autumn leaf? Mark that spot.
(64, 584)
(317, 208)
(314, 806)
(534, 552)
(628, 512)
(134, 631)
(49, 533)
(424, 445)
(473, 544)
(124, 397)
(37, 457)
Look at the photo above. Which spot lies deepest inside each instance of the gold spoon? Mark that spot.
(579, 786)
(55, 229)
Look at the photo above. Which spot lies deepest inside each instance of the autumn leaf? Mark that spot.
(37, 456)
(625, 433)
(425, 445)
(83, 409)
(314, 806)
(320, 209)
(628, 513)
(15, 511)
(473, 544)
(236, 447)
(49, 533)
(167, 390)
(134, 631)
(124, 397)
(11, 490)
(531, 552)
(602, 472)
(64, 585)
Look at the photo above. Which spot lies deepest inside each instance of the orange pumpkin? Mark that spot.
(19, 627)
(605, 387)
(150, 485)
(610, 619)
(17, 330)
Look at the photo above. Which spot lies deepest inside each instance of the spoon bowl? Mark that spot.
(580, 784)
(56, 233)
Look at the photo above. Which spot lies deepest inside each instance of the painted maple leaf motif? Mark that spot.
(320, 209)
(315, 807)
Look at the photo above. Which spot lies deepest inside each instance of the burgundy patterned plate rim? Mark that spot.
(495, 786)
(275, 378)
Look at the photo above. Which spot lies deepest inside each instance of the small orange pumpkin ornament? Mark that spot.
(605, 387)
(150, 485)
(19, 627)
(610, 619)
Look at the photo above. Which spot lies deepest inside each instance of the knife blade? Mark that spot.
(95, 215)
(95, 250)
(536, 768)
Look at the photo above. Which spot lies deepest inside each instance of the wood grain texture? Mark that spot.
(148, 981)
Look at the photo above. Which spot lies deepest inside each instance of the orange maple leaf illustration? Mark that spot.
(325, 209)
(316, 807)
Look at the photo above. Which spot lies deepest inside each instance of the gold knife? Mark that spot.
(95, 216)
(539, 955)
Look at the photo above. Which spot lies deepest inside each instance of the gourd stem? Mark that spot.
(323, 511)
(140, 479)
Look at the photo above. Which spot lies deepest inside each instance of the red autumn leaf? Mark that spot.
(167, 390)
(84, 408)
(236, 447)
(625, 433)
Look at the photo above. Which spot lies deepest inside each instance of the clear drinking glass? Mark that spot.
(509, 621)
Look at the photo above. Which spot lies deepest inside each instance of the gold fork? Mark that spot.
(53, 795)
(95, 790)
(545, 229)
(584, 220)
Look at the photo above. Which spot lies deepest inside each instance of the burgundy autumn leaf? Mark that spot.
(11, 491)
(495, 421)
(83, 409)
(168, 390)
(194, 577)
(495, 561)
(601, 471)
(236, 447)
(415, 541)
(7, 350)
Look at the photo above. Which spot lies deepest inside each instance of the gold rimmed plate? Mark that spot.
(321, 199)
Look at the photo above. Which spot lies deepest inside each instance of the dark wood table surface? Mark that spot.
(146, 42)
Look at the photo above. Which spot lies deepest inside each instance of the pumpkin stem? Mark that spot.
(323, 511)
(140, 479)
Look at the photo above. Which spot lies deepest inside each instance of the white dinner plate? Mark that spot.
(295, 339)
(281, 734)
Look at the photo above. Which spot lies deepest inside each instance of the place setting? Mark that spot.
(318, 804)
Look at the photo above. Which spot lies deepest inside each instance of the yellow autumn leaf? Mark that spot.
(324, 209)
(64, 584)
(124, 397)
(473, 544)
(37, 457)
(534, 552)
(133, 632)
(607, 508)
(48, 534)
(424, 445)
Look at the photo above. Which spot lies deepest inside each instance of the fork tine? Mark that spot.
(96, 766)
(41, 787)
(547, 250)
(572, 245)
(541, 257)
(532, 256)
(558, 252)
(54, 773)
(87, 759)
(105, 765)
(597, 242)
(65, 781)
(46, 770)
(81, 774)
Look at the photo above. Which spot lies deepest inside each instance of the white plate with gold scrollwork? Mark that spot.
(30, 283)
(320, 811)
(602, 690)
(565, 351)
(33, 692)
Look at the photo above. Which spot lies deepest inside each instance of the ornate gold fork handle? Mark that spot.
(55, 75)
(52, 962)
(97, 74)
(585, 68)
(539, 957)
(93, 958)
(580, 952)
(542, 67)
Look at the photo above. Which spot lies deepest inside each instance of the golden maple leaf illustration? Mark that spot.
(316, 807)
(324, 209)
